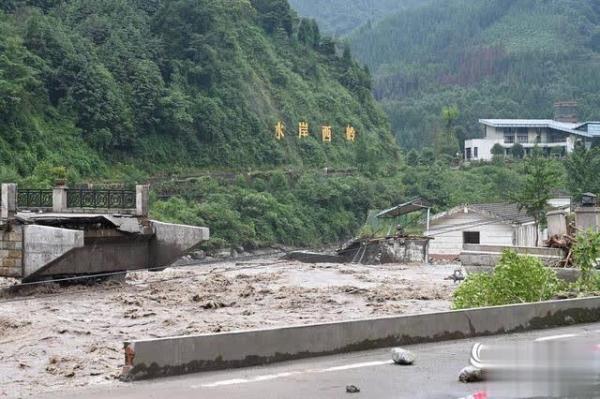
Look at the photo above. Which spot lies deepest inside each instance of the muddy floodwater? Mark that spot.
(56, 338)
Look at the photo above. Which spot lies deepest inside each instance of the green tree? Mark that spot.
(412, 158)
(427, 156)
(274, 14)
(498, 151)
(517, 151)
(540, 178)
(347, 56)
(583, 171)
(449, 115)
(446, 143)
(586, 253)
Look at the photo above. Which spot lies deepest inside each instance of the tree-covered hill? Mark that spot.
(183, 83)
(340, 17)
(491, 58)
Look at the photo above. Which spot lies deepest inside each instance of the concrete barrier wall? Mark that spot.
(147, 359)
(520, 250)
(489, 255)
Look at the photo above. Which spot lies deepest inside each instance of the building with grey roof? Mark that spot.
(556, 136)
(501, 224)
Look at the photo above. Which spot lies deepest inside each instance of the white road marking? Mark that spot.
(268, 377)
(224, 382)
(355, 366)
(553, 337)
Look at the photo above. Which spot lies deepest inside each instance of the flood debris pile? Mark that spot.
(565, 243)
(372, 251)
(391, 249)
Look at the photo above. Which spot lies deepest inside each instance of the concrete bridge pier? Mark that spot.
(71, 232)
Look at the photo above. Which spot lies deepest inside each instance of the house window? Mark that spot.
(471, 237)
(556, 137)
(523, 136)
(509, 137)
(468, 153)
(475, 152)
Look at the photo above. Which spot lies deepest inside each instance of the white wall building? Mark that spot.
(485, 224)
(549, 135)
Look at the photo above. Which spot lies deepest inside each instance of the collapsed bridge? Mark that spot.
(62, 232)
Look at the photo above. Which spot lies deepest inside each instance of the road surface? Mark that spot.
(433, 376)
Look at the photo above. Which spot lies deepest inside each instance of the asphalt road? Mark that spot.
(435, 375)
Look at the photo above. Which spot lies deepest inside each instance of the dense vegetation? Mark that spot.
(312, 209)
(490, 58)
(121, 90)
(521, 279)
(169, 84)
(341, 17)
(516, 279)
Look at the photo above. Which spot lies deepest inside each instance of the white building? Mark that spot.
(549, 135)
(485, 224)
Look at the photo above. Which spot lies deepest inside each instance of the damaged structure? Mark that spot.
(395, 246)
(388, 242)
(65, 232)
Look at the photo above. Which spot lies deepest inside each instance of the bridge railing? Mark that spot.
(34, 199)
(106, 199)
(83, 200)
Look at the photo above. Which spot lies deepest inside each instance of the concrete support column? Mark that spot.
(557, 222)
(9, 201)
(587, 218)
(59, 199)
(142, 193)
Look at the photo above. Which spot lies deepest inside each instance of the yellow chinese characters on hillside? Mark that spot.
(303, 129)
(279, 130)
(304, 132)
(326, 134)
(350, 133)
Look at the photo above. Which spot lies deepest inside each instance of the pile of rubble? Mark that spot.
(565, 243)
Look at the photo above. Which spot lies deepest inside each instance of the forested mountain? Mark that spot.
(165, 84)
(340, 17)
(490, 58)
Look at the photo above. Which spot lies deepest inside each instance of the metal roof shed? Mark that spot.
(414, 205)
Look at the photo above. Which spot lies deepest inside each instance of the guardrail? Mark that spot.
(34, 199)
(64, 200)
(108, 199)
